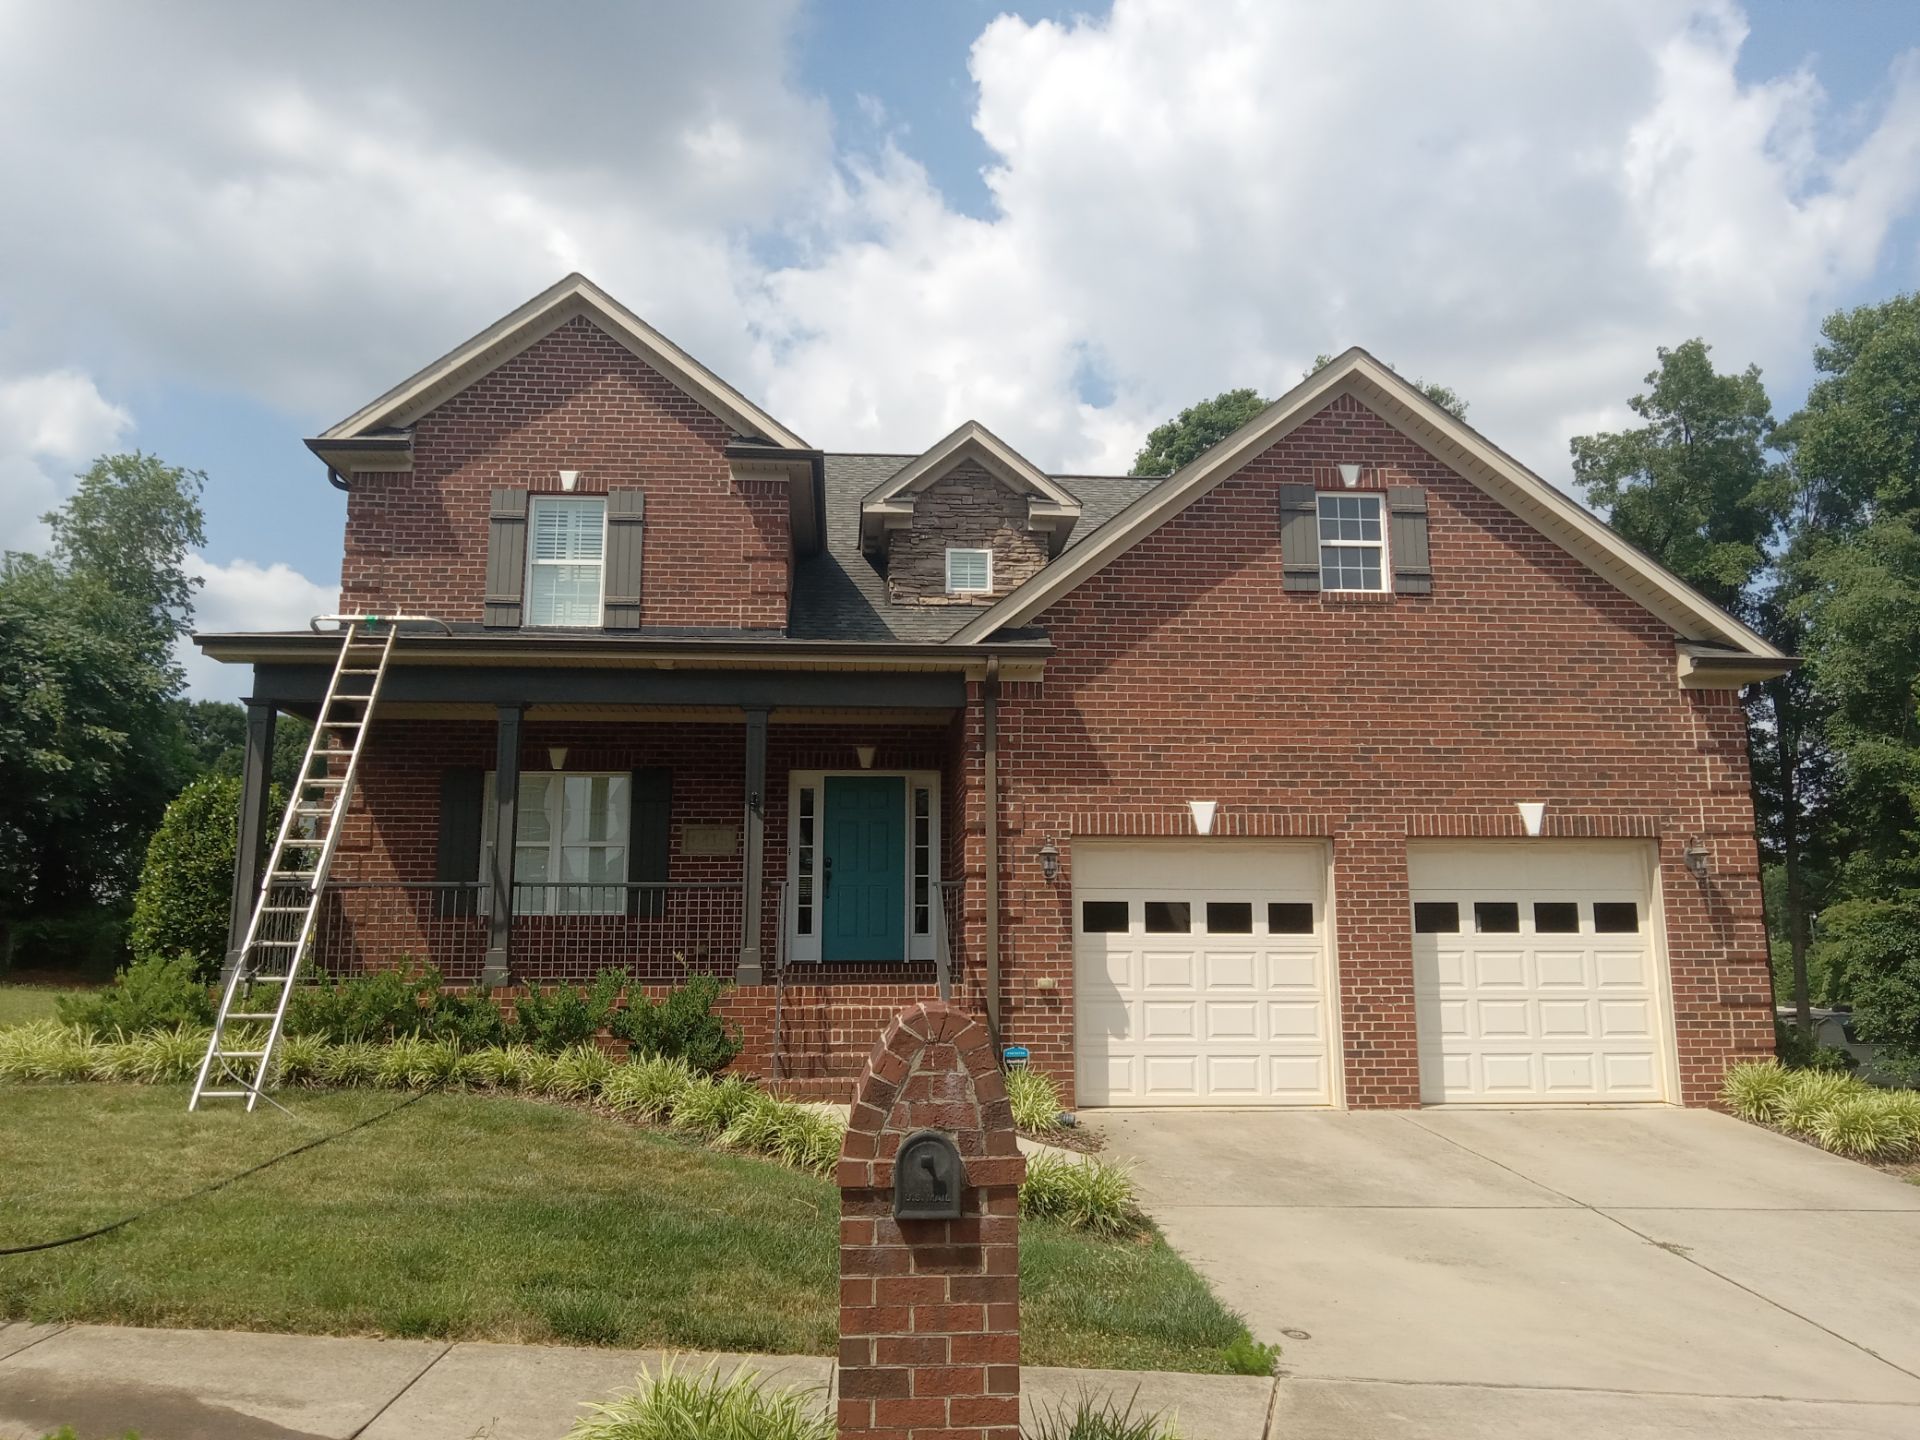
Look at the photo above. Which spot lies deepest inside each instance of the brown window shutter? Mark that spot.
(1407, 538)
(649, 841)
(506, 558)
(626, 512)
(1299, 538)
(457, 862)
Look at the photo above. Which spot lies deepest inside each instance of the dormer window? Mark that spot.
(969, 572)
(566, 547)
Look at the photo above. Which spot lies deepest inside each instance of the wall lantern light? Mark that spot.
(1696, 857)
(569, 479)
(1350, 475)
(1049, 860)
(557, 757)
(865, 752)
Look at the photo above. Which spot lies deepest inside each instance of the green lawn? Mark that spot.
(21, 1004)
(498, 1219)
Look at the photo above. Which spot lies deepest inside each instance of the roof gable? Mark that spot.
(533, 321)
(1402, 405)
(889, 505)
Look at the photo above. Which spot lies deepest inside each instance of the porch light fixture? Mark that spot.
(1696, 857)
(556, 757)
(1350, 476)
(1532, 812)
(865, 752)
(1049, 860)
(569, 479)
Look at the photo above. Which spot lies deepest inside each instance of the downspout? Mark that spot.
(990, 709)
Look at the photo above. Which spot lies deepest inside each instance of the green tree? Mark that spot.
(90, 748)
(185, 892)
(1445, 396)
(1196, 430)
(215, 734)
(1696, 486)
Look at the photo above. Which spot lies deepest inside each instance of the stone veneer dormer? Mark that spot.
(971, 491)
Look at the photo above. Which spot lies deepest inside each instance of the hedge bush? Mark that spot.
(146, 995)
(681, 1026)
(1834, 1110)
(186, 884)
(567, 1015)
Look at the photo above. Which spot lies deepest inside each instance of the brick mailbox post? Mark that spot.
(930, 1307)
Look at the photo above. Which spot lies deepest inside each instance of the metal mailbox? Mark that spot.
(928, 1178)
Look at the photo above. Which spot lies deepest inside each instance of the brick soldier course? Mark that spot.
(930, 1309)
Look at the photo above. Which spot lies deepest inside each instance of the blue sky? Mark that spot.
(880, 219)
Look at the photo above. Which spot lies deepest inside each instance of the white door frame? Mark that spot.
(804, 948)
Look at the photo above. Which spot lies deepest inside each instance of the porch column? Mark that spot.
(498, 969)
(256, 787)
(753, 863)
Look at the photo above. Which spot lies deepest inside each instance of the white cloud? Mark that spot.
(49, 424)
(245, 596)
(1518, 200)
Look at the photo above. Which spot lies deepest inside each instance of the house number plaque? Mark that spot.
(927, 1178)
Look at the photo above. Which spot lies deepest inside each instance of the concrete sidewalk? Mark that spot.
(235, 1385)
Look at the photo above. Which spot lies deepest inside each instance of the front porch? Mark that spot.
(827, 859)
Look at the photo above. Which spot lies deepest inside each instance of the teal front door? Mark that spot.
(865, 879)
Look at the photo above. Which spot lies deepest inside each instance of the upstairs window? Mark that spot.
(969, 572)
(1353, 548)
(566, 546)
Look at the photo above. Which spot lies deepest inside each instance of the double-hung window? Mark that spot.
(570, 843)
(566, 549)
(969, 572)
(1353, 547)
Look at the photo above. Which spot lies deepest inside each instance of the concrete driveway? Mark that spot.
(1593, 1273)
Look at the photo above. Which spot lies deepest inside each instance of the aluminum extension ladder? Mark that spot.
(280, 934)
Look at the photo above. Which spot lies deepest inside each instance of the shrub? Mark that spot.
(170, 1057)
(566, 1015)
(810, 1138)
(680, 1026)
(186, 884)
(1860, 1127)
(90, 944)
(1248, 1356)
(1035, 1100)
(707, 1107)
(1798, 1051)
(45, 1050)
(1101, 1419)
(578, 1072)
(1754, 1091)
(384, 1005)
(649, 1089)
(677, 1406)
(1092, 1195)
(357, 1062)
(1881, 941)
(299, 1059)
(1811, 1092)
(755, 1126)
(146, 995)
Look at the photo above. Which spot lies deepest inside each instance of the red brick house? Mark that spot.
(1352, 765)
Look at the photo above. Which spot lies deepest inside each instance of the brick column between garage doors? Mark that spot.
(930, 1309)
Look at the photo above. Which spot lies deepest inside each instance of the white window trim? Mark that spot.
(953, 589)
(1379, 498)
(550, 887)
(805, 949)
(526, 583)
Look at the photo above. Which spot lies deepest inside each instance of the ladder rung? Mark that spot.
(225, 1094)
(269, 979)
(238, 1054)
(250, 1015)
(277, 944)
(283, 909)
(331, 781)
(313, 809)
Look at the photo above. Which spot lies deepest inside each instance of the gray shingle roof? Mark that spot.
(838, 595)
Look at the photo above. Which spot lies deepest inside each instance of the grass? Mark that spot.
(492, 1217)
(24, 1004)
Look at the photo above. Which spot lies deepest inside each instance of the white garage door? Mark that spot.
(1535, 973)
(1200, 974)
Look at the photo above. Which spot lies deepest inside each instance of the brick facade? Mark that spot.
(717, 552)
(1184, 671)
(930, 1309)
(968, 509)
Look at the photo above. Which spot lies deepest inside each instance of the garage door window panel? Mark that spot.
(1290, 917)
(1103, 917)
(1168, 917)
(1556, 917)
(1436, 917)
(1616, 917)
(1229, 917)
(1496, 917)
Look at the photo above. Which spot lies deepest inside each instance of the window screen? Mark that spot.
(1616, 917)
(1289, 917)
(1556, 917)
(1496, 917)
(564, 561)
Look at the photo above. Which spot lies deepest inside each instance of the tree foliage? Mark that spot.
(89, 747)
(1196, 430)
(185, 894)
